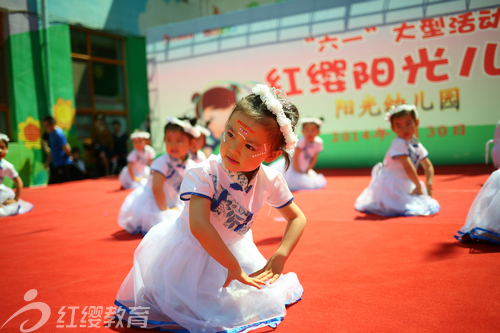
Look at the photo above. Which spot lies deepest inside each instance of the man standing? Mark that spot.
(60, 152)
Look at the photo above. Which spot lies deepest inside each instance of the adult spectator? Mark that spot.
(60, 152)
(103, 142)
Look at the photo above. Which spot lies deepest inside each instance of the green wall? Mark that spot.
(365, 149)
(137, 80)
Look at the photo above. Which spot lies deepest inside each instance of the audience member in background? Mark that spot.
(495, 151)
(78, 169)
(137, 170)
(121, 150)
(10, 202)
(103, 141)
(60, 152)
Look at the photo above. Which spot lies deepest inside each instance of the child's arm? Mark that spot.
(131, 172)
(296, 159)
(19, 189)
(411, 173)
(158, 180)
(294, 228)
(429, 174)
(210, 240)
(313, 163)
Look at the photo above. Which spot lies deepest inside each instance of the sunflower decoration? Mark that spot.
(29, 133)
(64, 113)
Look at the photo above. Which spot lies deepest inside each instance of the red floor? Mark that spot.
(361, 273)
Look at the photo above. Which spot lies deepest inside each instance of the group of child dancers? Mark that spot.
(197, 268)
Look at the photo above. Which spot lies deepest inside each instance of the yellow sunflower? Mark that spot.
(64, 113)
(29, 133)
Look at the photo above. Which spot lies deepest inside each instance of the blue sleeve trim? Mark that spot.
(287, 203)
(193, 193)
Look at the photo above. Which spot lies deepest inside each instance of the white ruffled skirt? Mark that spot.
(128, 182)
(483, 220)
(389, 195)
(19, 207)
(139, 212)
(181, 285)
(299, 181)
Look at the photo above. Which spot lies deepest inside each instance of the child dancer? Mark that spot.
(185, 272)
(159, 200)
(10, 202)
(301, 175)
(139, 160)
(395, 188)
(197, 153)
(483, 220)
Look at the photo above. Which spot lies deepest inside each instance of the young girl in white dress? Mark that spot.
(159, 200)
(10, 201)
(139, 160)
(197, 153)
(395, 188)
(204, 273)
(301, 175)
(483, 220)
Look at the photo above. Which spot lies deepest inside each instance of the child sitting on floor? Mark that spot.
(159, 200)
(204, 273)
(197, 153)
(137, 171)
(483, 221)
(10, 202)
(395, 188)
(301, 175)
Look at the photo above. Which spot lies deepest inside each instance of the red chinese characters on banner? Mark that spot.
(432, 27)
(425, 63)
(488, 19)
(382, 72)
(489, 60)
(273, 79)
(400, 32)
(335, 42)
(329, 74)
(462, 24)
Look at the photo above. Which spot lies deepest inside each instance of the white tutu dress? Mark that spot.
(300, 180)
(483, 220)
(19, 207)
(139, 211)
(495, 151)
(389, 191)
(140, 160)
(181, 283)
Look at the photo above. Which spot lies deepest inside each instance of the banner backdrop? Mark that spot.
(447, 65)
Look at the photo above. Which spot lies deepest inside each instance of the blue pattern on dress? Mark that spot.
(173, 176)
(414, 156)
(236, 217)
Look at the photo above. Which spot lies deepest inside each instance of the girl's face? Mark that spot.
(199, 144)
(178, 144)
(139, 143)
(310, 131)
(244, 145)
(404, 126)
(3, 149)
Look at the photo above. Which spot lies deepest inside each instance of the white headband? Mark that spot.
(311, 120)
(186, 126)
(400, 108)
(140, 135)
(4, 137)
(275, 99)
(203, 130)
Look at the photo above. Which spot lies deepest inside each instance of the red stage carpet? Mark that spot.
(361, 273)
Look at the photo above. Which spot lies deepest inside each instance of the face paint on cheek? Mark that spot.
(263, 153)
(242, 136)
(246, 127)
(224, 136)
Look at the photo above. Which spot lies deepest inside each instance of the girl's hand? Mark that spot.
(417, 190)
(137, 178)
(429, 190)
(9, 201)
(238, 274)
(272, 270)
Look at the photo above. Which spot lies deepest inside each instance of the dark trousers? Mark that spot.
(59, 174)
